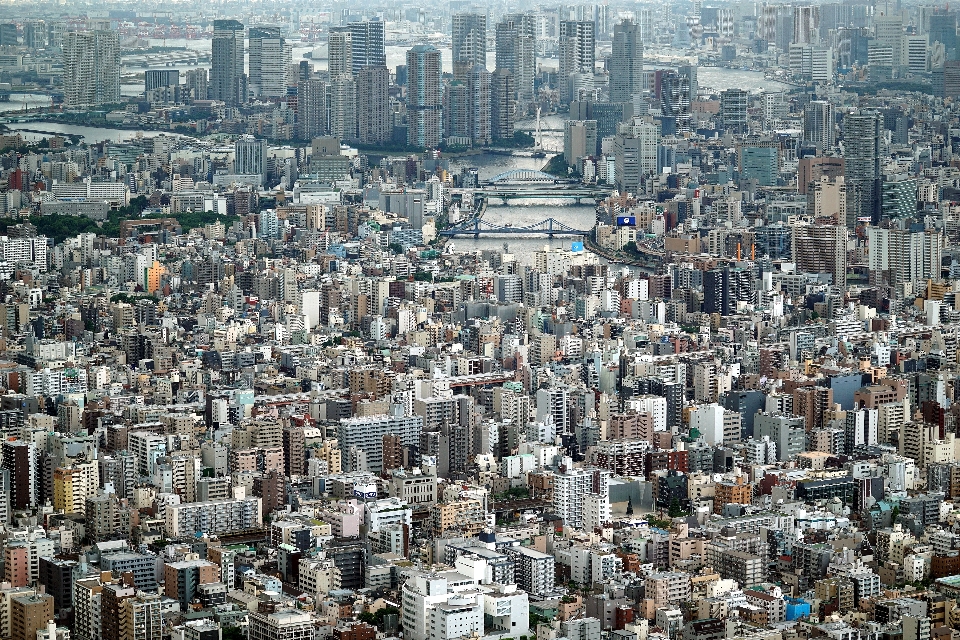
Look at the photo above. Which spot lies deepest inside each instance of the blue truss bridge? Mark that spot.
(477, 227)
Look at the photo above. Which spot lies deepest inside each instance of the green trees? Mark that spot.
(233, 633)
(376, 618)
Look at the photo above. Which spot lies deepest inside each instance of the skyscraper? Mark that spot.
(577, 53)
(366, 40)
(626, 62)
(456, 113)
(424, 96)
(675, 99)
(733, 110)
(502, 104)
(861, 152)
(154, 78)
(270, 59)
(341, 107)
(480, 105)
(517, 53)
(373, 105)
(250, 156)
(806, 24)
(469, 43)
(818, 124)
(339, 52)
(91, 68)
(197, 84)
(821, 248)
(35, 34)
(311, 108)
(635, 154)
(21, 460)
(228, 82)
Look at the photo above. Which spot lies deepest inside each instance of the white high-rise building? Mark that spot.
(214, 517)
(91, 68)
(366, 434)
(270, 58)
(635, 154)
(250, 156)
(339, 53)
(571, 487)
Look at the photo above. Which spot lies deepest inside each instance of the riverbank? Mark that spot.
(615, 257)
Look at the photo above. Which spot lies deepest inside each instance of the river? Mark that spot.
(520, 213)
(91, 135)
(30, 100)
(517, 213)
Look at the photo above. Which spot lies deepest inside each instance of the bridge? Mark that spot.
(476, 227)
(530, 183)
(523, 176)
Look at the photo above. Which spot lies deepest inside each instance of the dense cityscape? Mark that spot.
(494, 321)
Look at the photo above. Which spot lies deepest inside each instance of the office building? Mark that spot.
(760, 163)
(270, 59)
(250, 157)
(862, 134)
(733, 110)
(626, 62)
(819, 124)
(282, 624)
(469, 43)
(156, 78)
(424, 96)
(228, 80)
(57, 577)
(91, 68)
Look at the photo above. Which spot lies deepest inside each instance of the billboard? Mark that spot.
(365, 491)
(576, 246)
(626, 221)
